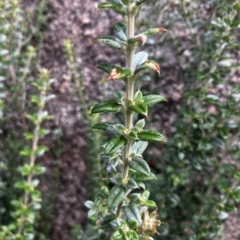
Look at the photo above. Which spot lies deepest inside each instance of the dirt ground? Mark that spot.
(67, 173)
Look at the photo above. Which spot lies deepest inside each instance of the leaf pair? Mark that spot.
(141, 103)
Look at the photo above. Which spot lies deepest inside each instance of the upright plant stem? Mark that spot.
(129, 87)
(32, 159)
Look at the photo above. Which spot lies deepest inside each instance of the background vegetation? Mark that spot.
(198, 171)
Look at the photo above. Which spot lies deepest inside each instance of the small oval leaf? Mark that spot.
(151, 99)
(132, 213)
(139, 147)
(106, 67)
(131, 184)
(106, 106)
(102, 125)
(151, 135)
(117, 1)
(116, 195)
(140, 124)
(139, 108)
(115, 144)
(110, 41)
(140, 165)
(120, 30)
(140, 58)
(119, 8)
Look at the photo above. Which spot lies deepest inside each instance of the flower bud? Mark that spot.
(140, 38)
(153, 65)
(114, 74)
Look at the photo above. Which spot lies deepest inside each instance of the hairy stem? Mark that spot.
(129, 87)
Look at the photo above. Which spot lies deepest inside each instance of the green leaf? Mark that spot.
(235, 24)
(139, 147)
(118, 235)
(114, 145)
(139, 108)
(150, 203)
(236, 6)
(117, 1)
(3, 52)
(116, 223)
(38, 169)
(140, 58)
(120, 30)
(26, 152)
(151, 99)
(145, 195)
(42, 132)
(91, 212)
(116, 129)
(132, 213)
(40, 150)
(26, 186)
(211, 98)
(49, 97)
(117, 180)
(43, 116)
(139, 2)
(89, 204)
(132, 225)
(118, 94)
(119, 128)
(132, 135)
(131, 184)
(134, 197)
(150, 238)
(34, 182)
(151, 135)
(102, 125)
(236, 195)
(107, 221)
(116, 195)
(138, 95)
(140, 165)
(106, 67)
(106, 106)
(35, 99)
(140, 124)
(110, 41)
(174, 199)
(119, 8)
(25, 170)
(141, 177)
(95, 238)
(142, 185)
(223, 215)
(28, 135)
(33, 118)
